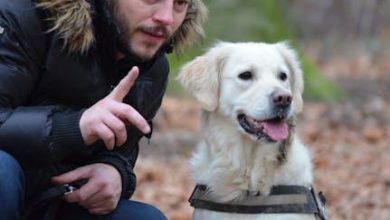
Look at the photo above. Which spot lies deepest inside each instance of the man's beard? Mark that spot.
(124, 34)
(156, 30)
(125, 39)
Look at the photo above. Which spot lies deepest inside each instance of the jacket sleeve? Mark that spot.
(27, 132)
(146, 96)
(39, 136)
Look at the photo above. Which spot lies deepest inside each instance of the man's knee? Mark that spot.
(11, 186)
(9, 167)
(128, 209)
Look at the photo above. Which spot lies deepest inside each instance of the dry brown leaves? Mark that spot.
(351, 165)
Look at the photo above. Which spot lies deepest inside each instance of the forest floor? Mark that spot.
(349, 142)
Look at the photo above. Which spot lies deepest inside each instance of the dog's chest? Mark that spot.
(236, 171)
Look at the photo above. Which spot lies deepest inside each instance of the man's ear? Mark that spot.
(296, 80)
(200, 77)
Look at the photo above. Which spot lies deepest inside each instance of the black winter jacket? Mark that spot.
(45, 87)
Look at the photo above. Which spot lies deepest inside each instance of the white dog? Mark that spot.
(250, 94)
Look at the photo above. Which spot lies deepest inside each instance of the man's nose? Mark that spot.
(164, 12)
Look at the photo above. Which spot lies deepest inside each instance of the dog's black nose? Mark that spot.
(281, 99)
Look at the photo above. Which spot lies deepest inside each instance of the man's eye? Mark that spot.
(181, 5)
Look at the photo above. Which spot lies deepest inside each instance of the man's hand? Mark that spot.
(101, 194)
(107, 119)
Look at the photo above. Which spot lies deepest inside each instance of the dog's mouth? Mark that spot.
(273, 130)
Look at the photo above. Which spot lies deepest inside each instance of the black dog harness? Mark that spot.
(282, 199)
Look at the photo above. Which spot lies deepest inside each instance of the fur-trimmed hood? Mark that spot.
(73, 22)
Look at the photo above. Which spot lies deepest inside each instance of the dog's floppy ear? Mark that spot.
(200, 77)
(296, 80)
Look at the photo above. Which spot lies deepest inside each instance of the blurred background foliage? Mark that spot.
(333, 23)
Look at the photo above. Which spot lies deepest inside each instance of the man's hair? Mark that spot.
(67, 15)
(192, 28)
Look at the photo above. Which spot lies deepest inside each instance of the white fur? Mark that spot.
(228, 160)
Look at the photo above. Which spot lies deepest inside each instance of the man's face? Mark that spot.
(148, 24)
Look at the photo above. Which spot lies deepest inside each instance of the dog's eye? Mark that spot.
(247, 75)
(283, 76)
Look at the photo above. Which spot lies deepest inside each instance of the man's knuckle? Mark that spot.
(107, 196)
(102, 185)
(129, 111)
(110, 136)
(78, 197)
(113, 206)
(94, 117)
(119, 127)
(94, 212)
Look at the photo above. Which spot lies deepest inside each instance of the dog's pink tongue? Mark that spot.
(277, 131)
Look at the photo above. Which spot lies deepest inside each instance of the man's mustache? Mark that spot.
(157, 30)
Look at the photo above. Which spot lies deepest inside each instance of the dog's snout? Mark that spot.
(281, 99)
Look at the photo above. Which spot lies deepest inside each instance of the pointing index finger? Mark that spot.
(124, 86)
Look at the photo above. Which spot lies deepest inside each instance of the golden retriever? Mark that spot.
(250, 94)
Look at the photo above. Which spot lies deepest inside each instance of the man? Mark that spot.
(80, 82)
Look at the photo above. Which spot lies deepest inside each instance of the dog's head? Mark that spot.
(258, 86)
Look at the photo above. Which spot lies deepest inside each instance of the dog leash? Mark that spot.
(49, 200)
(282, 199)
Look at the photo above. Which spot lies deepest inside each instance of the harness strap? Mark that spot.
(282, 199)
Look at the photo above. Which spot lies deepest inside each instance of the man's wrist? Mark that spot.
(125, 170)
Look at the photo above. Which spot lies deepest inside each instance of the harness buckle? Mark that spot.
(69, 189)
(321, 202)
